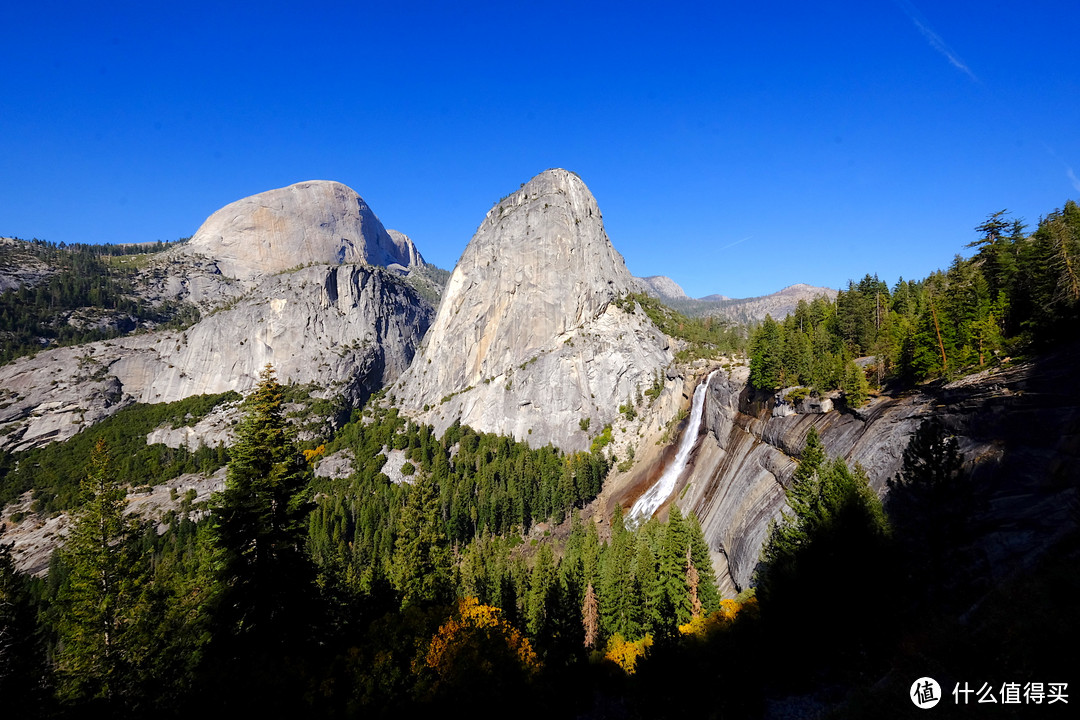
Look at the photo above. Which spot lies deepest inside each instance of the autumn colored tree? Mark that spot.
(477, 656)
(590, 618)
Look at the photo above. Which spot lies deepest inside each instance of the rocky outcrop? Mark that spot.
(406, 249)
(738, 310)
(178, 275)
(347, 329)
(527, 341)
(19, 268)
(34, 536)
(315, 222)
(1027, 477)
(661, 287)
(747, 457)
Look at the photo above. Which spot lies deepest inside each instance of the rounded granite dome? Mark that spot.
(318, 221)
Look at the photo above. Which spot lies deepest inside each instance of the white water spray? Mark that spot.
(655, 496)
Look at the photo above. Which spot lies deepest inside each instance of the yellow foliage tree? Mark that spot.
(625, 653)
(474, 644)
(310, 455)
(702, 626)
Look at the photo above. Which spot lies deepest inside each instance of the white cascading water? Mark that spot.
(655, 496)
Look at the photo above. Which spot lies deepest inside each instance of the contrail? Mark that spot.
(736, 242)
(1072, 176)
(934, 39)
(1068, 168)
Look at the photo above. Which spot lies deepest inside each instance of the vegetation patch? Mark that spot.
(52, 472)
(84, 297)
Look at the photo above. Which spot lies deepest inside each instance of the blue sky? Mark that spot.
(736, 149)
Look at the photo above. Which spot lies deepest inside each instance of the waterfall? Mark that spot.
(655, 496)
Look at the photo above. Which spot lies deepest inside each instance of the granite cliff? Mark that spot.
(527, 341)
(315, 222)
(288, 277)
(1025, 477)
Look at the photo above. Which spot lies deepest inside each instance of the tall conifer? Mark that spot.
(260, 522)
(96, 603)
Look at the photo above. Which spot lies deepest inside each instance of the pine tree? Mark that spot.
(542, 591)
(856, 389)
(648, 590)
(931, 503)
(766, 355)
(676, 597)
(260, 523)
(21, 666)
(616, 595)
(93, 659)
(421, 560)
(708, 592)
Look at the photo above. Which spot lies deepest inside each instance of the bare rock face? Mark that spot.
(318, 222)
(662, 287)
(744, 462)
(19, 268)
(527, 342)
(779, 304)
(348, 329)
(405, 248)
(1025, 475)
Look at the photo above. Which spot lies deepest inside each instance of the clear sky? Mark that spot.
(737, 148)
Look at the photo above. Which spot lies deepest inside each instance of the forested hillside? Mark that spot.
(74, 294)
(487, 574)
(1019, 293)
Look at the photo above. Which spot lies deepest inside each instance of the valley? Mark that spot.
(536, 457)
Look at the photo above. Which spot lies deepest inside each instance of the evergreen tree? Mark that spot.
(260, 522)
(708, 592)
(855, 388)
(766, 355)
(676, 593)
(648, 591)
(21, 662)
(616, 586)
(931, 503)
(543, 588)
(93, 657)
(785, 536)
(421, 560)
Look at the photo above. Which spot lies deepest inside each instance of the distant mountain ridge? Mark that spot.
(779, 304)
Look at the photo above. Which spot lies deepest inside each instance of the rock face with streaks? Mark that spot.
(318, 222)
(1027, 477)
(527, 341)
